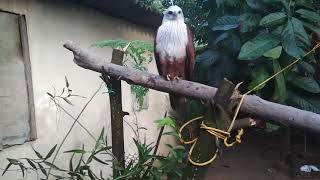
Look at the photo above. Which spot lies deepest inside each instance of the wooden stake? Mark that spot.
(117, 114)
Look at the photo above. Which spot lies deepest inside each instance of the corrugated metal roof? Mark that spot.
(125, 9)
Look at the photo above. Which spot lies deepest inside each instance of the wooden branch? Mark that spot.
(252, 105)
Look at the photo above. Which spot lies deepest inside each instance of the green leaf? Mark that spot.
(273, 53)
(312, 28)
(305, 3)
(43, 170)
(306, 69)
(51, 152)
(248, 22)
(113, 43)
(77, 151)
(6, 169)
(90, 174)
(49, 94)
(304, 103)
(99, 160)
(226, 23)
(165, 122)
(280, 93)
(37, 153)
(309, 15)
(220, 38)
(256, 47)
(258, 75)
(100, 139)
(22, 169)
(31, 164)
(67, 82)
(273, 19)
(294, 38)
(70, 162)
(308, 84)
(67, 101)
(254, 4)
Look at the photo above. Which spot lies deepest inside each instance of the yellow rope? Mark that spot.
(224, 135)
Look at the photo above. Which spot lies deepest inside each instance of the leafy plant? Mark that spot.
(255, 39)
(249, 40)
(138, 54)
(148, 165)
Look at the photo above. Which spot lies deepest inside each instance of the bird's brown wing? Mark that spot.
(190, 59)
(157, 57)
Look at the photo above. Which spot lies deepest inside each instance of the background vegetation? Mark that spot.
(249, 40)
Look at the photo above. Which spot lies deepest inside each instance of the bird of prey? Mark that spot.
(174, 50)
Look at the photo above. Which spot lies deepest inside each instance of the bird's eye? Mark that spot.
(179, 12)
(170, 12)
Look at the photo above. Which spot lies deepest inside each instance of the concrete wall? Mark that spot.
(50, 24)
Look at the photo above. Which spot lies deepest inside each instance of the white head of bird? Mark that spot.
(173, 13)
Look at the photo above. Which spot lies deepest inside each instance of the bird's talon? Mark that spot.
(168, 77)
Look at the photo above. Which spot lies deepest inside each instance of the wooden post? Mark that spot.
(117, 114)
(206, 145)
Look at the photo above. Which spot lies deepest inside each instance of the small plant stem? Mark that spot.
(73, 124)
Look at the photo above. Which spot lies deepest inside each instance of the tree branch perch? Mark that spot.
(252, 105)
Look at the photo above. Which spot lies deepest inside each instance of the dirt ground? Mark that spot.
(258, 157)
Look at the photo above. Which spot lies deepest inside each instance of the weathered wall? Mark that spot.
(50, 24)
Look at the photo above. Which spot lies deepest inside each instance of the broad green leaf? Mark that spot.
(248, 22)
(305, 3)
(278, 30)
(312, 28)
(273, 19)
(294, 38)
(165, 122)
(225, 23)
(309, 15)
(258, 75)
(256, 47)
(233, 43)
(280, 92)
(308, 84)
(304, 103)
(273, 53)
(208, 58)
(254, 4)
(221, 37)
(305, 68)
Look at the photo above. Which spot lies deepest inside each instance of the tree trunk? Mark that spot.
(252, 106)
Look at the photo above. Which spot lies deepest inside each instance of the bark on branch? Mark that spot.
(252, 105)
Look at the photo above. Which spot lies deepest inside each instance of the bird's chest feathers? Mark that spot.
(172, 39)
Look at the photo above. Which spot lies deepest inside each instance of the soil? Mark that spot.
(258, 157)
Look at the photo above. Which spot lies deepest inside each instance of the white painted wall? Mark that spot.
(50, 24)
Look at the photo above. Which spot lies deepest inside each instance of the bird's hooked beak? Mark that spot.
(174, 15)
